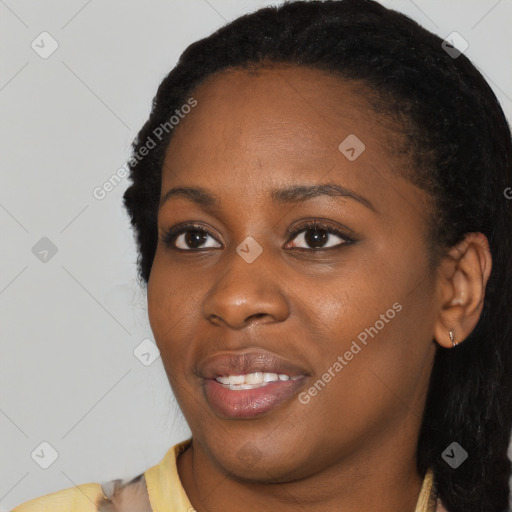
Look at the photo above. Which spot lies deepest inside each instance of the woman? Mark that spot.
(319, 202)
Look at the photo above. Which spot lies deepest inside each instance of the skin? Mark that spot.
(352, 447)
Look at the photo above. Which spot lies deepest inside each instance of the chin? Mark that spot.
(263, 465)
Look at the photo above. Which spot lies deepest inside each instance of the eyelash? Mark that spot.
(170, 236)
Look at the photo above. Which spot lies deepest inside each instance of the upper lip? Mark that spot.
(239, 363)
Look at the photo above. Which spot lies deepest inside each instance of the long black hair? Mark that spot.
(460, 147)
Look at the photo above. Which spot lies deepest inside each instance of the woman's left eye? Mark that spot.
(317, 236)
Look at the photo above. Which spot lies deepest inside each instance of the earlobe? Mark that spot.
(463, 276)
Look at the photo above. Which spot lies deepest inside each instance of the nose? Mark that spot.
(245, 293)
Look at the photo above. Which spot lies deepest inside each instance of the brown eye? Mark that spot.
(319, 236)
(187, 238)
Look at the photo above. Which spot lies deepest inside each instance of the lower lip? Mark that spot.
(248, 403)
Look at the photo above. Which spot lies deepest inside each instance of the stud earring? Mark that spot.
(452, 338)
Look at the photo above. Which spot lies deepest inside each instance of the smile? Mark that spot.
(253, 380)
(241, 400)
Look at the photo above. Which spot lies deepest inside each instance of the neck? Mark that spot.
(385, 479)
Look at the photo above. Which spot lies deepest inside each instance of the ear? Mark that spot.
(462, 278)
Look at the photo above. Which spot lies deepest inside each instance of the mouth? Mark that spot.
(253, 380)
(247, 385)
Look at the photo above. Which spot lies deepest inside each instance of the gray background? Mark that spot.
(70, 324)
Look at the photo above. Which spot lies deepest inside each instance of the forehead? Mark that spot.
(256, 130)
(292, 109)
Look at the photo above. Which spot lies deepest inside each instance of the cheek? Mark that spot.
(174, 299)
(373, 374)
(378, 312)
(168, 309)
(159, 300)
(393, 330)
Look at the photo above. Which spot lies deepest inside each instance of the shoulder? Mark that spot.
(114, 496)
(82, 498)
(155, 490)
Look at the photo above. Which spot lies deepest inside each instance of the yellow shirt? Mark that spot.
(164, 490)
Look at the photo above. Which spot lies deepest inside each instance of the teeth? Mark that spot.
(234, 379)
(225, 380)
(253, 380)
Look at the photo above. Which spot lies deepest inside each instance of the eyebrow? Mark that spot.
(288, 195)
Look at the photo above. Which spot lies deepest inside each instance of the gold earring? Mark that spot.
(452, 338)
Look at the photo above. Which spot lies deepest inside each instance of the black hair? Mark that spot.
(462, 153)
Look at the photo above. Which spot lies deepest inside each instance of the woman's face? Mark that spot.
(340, 316)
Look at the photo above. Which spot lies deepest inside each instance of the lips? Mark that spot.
(237, 402)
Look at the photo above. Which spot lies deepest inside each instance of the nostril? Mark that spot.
(255, 316)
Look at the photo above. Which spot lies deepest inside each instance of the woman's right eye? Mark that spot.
(188, 237)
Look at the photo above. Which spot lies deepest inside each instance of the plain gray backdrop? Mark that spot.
(73, 317)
